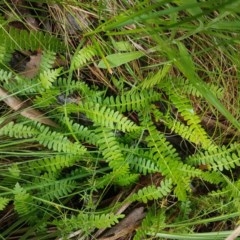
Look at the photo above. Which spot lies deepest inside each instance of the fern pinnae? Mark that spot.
(107, 117)
(218, 158)
(152, 192)
(132, 101)
(82, 56)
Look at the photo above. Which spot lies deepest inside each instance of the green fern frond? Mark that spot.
(156, 78)
(183, 104)
(106, 117)
(88, 221)
(154, 219)
(142, 165)
(82, 56)
(111, 151)
(51, 164)
(47, 98)
(18, 130)
(218, 159)
(5, 76)
(23, 201)
(23, 86)
(4, 202)
(152, 192)
(54, 189)
(184, 85)
(17, 39)
(47, 60)
(5, 55)
(48, 77)
(169, 163)
(132, 101)
(58, 142)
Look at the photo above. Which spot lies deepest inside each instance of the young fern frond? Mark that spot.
(82, 56)
(142, 165)
(23, 201)
(185, 86)
(48, 77)
(4, 202)
(152, 221)
(152, 192)
(218, 159)
(47, 60)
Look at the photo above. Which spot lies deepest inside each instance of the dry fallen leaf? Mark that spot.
(26, 111)
(33, 66)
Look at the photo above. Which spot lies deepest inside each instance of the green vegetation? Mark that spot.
(111, 109)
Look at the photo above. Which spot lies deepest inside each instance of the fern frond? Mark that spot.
(111, 151)
(23, 86)
(132, 101)
(51, 164)
(23, 202)
(153, 220)
(5, 76)
(17, 39)
(106, 117)
(142, 165)
(5, 55)
(156, 78)
(88, 221)
(82, 56)
(57, 141)
(182, 103)
(152, 192)
(169, 163)
(18, 130)
(184, 85)
(4, 202)
(48, 77)
(218, 159)
(47, 60)
(54, 189)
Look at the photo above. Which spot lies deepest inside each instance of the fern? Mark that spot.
(48, 77)
(169, 163)
(152, 192)
(58, 142)
(23, 201)
(88, 221)
(15, 39)
(131, 101)
(106, 117)
(155, 79)
(82, 56)
(51, 164)
(182, 103)
(3, 202)
(5, 76)
(218, 159)
(18, 130)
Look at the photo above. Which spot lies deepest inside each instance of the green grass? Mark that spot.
(139, 104)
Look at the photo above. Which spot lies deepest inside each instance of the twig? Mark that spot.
(234, 234)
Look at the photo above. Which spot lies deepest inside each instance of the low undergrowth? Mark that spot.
(113, 110)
